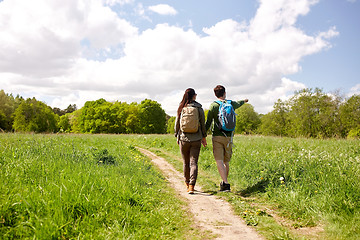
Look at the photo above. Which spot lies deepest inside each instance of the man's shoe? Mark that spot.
(224, 187)
(191, 189)
(227, 187)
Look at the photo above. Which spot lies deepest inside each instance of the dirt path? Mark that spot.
(210, 213)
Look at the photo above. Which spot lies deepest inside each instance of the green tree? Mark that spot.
(277, 121)
(8, 105)
(313, 114)
(90, 118)
(34, 116)
(152, 117)
(64, 123)
(171, 125)
(102, 117)
(71, 108)
(3, 121)
(247, 120)
(133, 121)
(267, 126)
(309, 113)
(121, 113)
(74, 119)
(349, 113)
(58, 111)
(302, 114)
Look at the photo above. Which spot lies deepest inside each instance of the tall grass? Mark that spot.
(99, 186)
(83, 187)
(310, 182)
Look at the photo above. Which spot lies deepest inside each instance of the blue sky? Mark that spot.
(71, 51)
(339, 66)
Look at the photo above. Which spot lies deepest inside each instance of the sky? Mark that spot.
(71, 51)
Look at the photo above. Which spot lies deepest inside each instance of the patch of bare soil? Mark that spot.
(308, 232)
(210, 213)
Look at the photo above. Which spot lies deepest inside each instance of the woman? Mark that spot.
(190, 140)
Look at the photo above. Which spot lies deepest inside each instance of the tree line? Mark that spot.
(309, 113)
(312, 113)
(100, 116)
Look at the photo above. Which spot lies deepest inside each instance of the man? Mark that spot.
(222, 140)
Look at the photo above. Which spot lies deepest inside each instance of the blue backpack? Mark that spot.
(227, 116)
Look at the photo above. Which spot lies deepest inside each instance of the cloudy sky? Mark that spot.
(71, 51)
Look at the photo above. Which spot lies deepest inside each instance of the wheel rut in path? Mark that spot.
(210, 213)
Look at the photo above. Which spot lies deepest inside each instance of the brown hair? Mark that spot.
(219, 91)
(187, 98)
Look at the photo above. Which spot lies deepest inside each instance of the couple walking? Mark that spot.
(191, 131)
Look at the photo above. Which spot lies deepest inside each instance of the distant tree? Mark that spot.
(309, 113)
(89, 120)
(152, 117)
(276, 123)
(121, 113)
(8, 104)
(133, 121)
(71, 108)
(349, 113)
(74, 119)
(3, 121)
(101, 116)
(34, 116)
(58, 111)
(313, 114)
(302, 114)
(64, 123)
(268, 126)
(171, 125)
(329, 118)
(247, 120)
(354, 133)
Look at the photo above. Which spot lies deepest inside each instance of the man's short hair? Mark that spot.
(219, 91)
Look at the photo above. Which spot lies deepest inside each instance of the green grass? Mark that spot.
(101, 187)
(304, 182)
(84, 187)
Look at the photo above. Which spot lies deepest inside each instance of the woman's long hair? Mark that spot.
(187, 98)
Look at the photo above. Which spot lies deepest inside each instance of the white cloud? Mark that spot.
(163, 9)
(273, 16)
(355, 90)
(251, 59)
(42, 38)
(284, 91)
(115, 2)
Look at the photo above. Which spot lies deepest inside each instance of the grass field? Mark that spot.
(308, 183)
(84, 187)
(100, 187)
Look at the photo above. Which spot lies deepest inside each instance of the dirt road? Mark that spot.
(210, 213)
